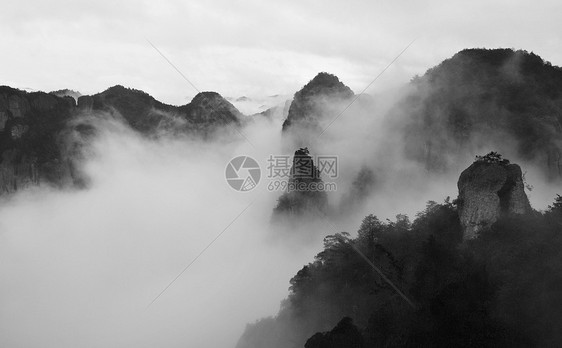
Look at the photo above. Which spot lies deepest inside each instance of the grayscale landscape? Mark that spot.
(280, 174)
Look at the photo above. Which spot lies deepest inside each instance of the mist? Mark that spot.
(81, 267)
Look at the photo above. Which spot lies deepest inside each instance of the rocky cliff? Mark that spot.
(303, 195)
(30, 147)
(491, 187)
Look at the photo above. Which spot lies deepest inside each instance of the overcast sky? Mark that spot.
(254, 48)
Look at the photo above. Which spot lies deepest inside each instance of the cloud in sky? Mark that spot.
(253, 47)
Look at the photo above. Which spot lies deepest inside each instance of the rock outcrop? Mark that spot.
(488, 189)
(304, 194)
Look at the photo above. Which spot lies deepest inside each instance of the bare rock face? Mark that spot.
(30, 153)
(488, 189)
(300, 200)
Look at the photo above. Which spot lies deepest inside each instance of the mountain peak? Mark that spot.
(326, 78)
(121, 90)
(475, 93)
(308, 106)
(211, 107)
(205, 96)
(325, 84)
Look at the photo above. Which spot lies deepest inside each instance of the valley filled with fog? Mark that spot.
(211, 174)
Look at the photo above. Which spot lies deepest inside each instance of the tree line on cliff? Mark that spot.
(500, 289)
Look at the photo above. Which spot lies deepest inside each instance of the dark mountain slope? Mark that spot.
(499, 289)
(498, 98)
(206, 112)
(311, 107)
(140, 110)
(209, 110)
(39, 143)
(30, 147)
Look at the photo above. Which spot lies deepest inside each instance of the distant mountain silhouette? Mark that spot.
(479, 98)
(35, 128)
(206, 111)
